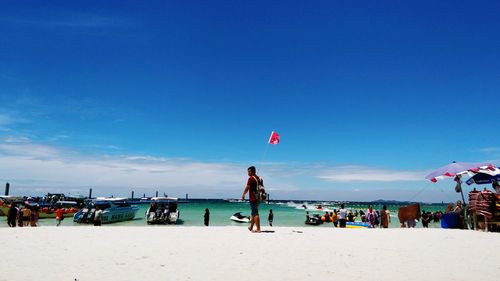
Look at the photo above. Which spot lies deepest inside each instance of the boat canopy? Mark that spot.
(73, 203)
(163, 199)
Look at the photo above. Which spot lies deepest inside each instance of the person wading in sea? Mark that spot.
(59, 215)
(251, 188)
(98, 216)
(12, 215)
(207, 217)
(270, 218)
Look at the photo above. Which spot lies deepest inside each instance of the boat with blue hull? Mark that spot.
(113, 210)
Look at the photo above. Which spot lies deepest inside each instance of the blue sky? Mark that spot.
(181, 97)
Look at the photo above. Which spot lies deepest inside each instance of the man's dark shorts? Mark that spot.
(342, 223)
(255, 208)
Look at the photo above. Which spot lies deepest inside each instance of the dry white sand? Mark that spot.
(233, 253)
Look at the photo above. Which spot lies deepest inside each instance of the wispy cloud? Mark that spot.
(29, 116)
(17, 139)
(490, 150)
(34, 165)
(368, 174)
(43, 165)
(58, 137)
(107, 147)
(31, 165)
(9, 119)
(28, 150)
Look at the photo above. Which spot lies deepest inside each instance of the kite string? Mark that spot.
(263, 157)
(421, 190)
(418, 192)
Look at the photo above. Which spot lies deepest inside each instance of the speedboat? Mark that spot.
(113, 210)
(162, 210)
(238, 217)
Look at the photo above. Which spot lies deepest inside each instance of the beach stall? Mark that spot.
(485, 209)
(456, 217)
(485, 205)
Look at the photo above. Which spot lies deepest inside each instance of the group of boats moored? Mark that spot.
(162, 210)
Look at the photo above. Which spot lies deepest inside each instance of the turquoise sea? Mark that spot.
(285, 213)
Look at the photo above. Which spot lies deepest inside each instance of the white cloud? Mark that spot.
(17, 139)
(490, 150)
(368, 174)
(31, 167)
(42, 165)
(28, 150)
(58, 137)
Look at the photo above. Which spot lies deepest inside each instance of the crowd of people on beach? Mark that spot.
(27, 215)
(372, 218)
(24, 216)
(339, 218)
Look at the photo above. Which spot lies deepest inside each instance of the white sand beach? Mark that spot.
(233, 253)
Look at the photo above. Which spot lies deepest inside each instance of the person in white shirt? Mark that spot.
(98, 217)
(342, 216)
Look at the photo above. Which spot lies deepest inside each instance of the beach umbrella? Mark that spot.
(483, 179)
(485, 176)
(455, 169)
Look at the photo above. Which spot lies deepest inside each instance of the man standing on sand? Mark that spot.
(251, 188)
(342, 216)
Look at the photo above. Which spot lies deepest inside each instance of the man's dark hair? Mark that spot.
(252, 168)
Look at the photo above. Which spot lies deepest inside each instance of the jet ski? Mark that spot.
(238, 217)
(314, 220)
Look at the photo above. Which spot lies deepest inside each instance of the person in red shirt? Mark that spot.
(59, 216)
(251, 189)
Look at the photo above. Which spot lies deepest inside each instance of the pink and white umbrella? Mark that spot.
(457, 168)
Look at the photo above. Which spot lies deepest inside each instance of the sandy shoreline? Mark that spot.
(233, 253)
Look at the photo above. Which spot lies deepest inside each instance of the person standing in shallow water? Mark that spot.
(385, 217)
(12, 215)
(270, 218)
(59, 216)
(98, 217)
(425, 218)
(251, 189)
(371, 217)
(207, 217)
